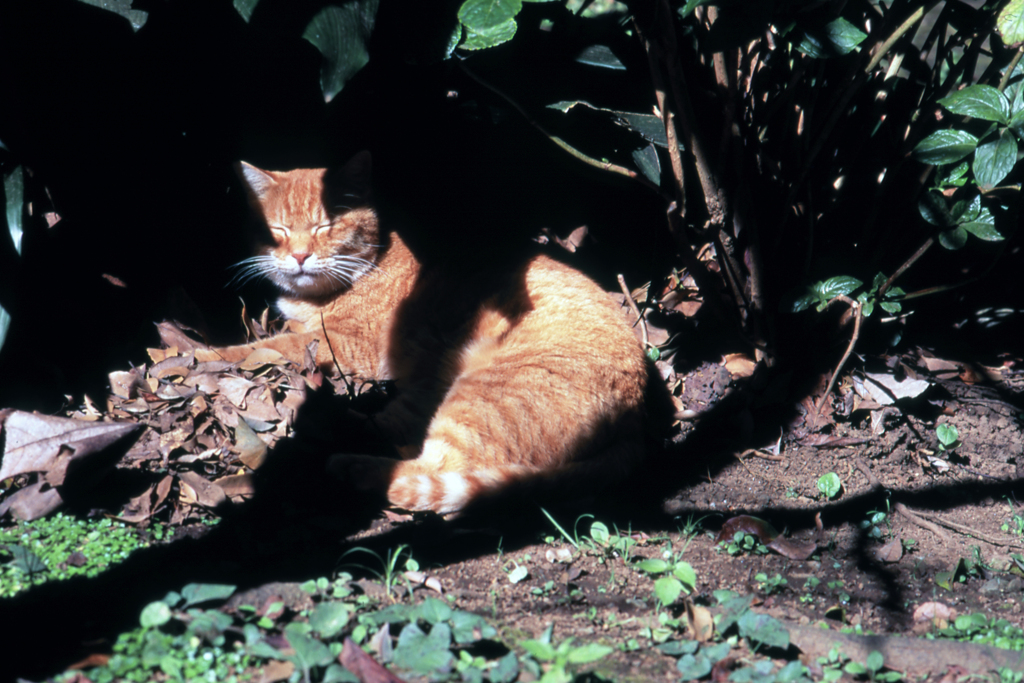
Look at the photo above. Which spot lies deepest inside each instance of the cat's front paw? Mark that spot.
(363, 472)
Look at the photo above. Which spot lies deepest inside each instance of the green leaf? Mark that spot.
(195, 593)
(481, 16)
(983, 227)
(600, 55)
(934, 208)
(763, 629)
(599, 532)
(136, 17)
(591, 652)
(1010, 22)
(685, 573)
(793, 671)
(953, 239)
(693, 667)
(433, 611)
(947, 434)
(687, 9)
(245, 8)
(342, 35)
(649, 126)
(646, 159)
(838, 285)
(1017, 121)
(308, 651)
(653, 353)
(424, 653)
(329, 618)
(833, 39)
(994, 160)
(855, 669)
(945, 147)
(507, 669)
(667, 589)
(25, 560)
(479, 40)
(155, 614)
(469, 628)
(875, 661)
(980, 101)
(545, 652)
(675, 648)
(654, 566)
(336, 673)
(830, 484)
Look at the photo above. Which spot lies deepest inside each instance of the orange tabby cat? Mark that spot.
(500, 377)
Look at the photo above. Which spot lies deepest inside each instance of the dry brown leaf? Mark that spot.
(124, 384)
(252, 451)
(41, 443)
(203, 491)
(31, 502)
(172, 335)
(792, 548)
(738, 364)
(140, 508)
(275, 670)
(238, 487)
(890, 552)
(748, 525)
(260, 357)
(235, 388)
(700, 625)
(930, 611)
(365, 668)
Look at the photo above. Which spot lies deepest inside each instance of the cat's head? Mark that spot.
(323, 231)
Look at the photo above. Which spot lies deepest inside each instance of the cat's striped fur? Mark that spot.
(500, 377)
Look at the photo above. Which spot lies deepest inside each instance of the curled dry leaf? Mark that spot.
(748, 525)
(738, 364)
(31, 502)
(700, 625)
(890, 552)
(261, 357)
(252, 451)
(238, 487)
(41, 443)
(792, 548)
(203, 492)
(933, 611)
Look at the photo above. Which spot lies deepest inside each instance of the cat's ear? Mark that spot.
(256, 180)
(357, 172)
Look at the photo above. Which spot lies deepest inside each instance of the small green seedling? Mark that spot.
(949, 438)
(389, 574)
(681, 578)
(769, 585)
(830, 485)
(877, 525)
(560, 659)
(872, 669)
(744, 543)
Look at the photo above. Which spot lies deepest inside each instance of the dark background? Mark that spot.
(131, 138)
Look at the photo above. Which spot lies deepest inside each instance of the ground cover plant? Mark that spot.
(808, 212)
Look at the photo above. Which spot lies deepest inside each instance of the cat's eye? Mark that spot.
(280, 231)
(321, 228)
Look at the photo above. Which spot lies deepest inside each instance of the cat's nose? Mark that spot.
(301, 257)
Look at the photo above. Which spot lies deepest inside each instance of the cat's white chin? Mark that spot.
(306, 284)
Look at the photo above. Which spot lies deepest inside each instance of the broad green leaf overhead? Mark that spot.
(945, 147)
(481, 16)
(833, 39)
(953, 239)
(983, 227)
(245, 8)
(1010, 22)
(979, 101)
(600, 55)
(994, 160)
(136, 17)
(646, 159)
(479, 40)
(342, 35)
(647, 125)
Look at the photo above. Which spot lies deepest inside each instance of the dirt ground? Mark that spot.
(912, 524)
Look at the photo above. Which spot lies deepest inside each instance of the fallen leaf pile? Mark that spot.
(204, 425)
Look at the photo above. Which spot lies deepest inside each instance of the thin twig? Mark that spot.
(590, 161)
(907, 24)
(962, 529)
(636, 311)
(909, 262)
(920, 521)
(350, 387)
(849, 349)
(1005, 80)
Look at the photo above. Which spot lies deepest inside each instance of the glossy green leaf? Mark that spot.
(875, 661)
(953, 239)
(687, 9)
(434, 611)
(329, 618)
(764, 629)
(994, 160)
(591, 652)
(979, 101)
(155, 614)
(830, 485)
(667, 589)
(653, 566)
(984, 227)
(245, 8)
(934, 208)
(833, 39)
(485, 15)
(693, 667)
(545, 652)
(1017, 122)
(649, 126)
(1010, 22)
(646, 159)
(479, 40)
(424, 653)
(602, 56)
(342, 35)
(839, 285)
(136, 17)
(507, 669)
(945, 147)
(684, 572)
(195, 593)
